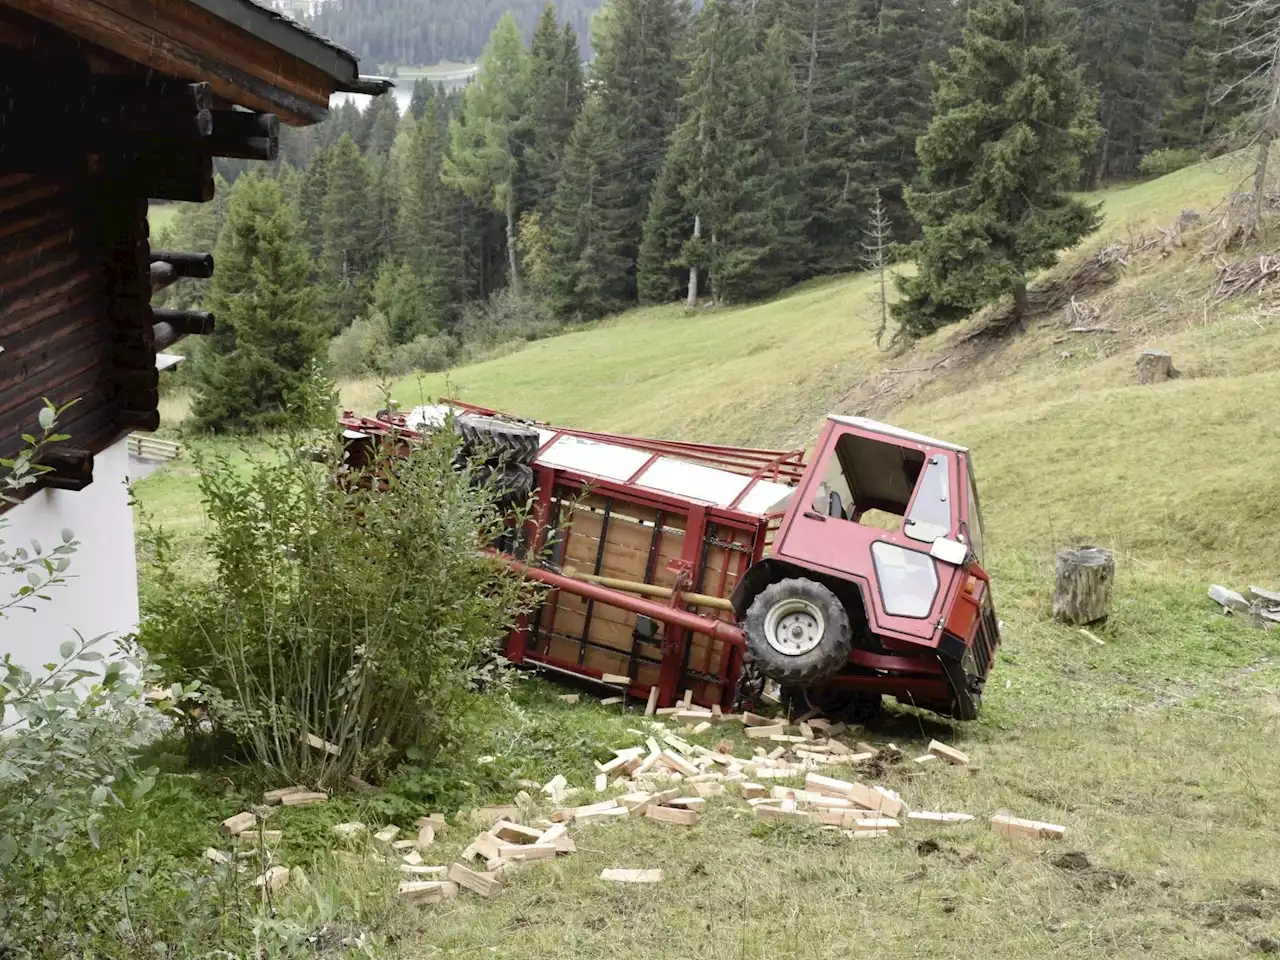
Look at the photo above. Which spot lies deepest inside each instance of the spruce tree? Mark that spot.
(1208, 99)
(554, 99)
(484, 156)
(268, 331)
(662, 269)
(349, 252)
(637, 69)
(754, 196)
(423, 90)
(1012, 118)
(311, 194)
(589, 270)
(385, 122)
(435, 219)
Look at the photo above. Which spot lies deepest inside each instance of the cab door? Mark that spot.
(869, 510)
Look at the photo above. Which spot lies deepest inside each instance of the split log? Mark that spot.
(1156, 366)
(1084, 579)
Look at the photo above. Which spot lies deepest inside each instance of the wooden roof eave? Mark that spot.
(285, 70)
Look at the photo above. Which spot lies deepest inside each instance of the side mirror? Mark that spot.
(950, 551)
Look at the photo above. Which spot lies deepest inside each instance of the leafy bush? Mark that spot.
(505, 316)
(1160, 162)
(362, 348)
(68, 736)
(427, 353)
(353, 604)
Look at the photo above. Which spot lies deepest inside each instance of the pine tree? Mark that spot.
(423, 90)
(435, 220)
(1130, 50)
(268, 331)
(753, 201)
(662, 268)
(385, 114)
(589, 270)
(349, 252)
(877, 248)
(1012, 118)
(1208, 101)
(483, 160)
(638, 46)
(554, 99)
(311, 194)
(891, 85)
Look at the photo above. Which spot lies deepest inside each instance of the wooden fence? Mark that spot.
(146, 447)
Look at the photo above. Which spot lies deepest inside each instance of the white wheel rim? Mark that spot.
(794, 627)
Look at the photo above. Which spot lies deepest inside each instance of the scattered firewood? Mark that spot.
(387, 834)
(570, 697)
(610, 701)
(652, 703)
(515, 832)
(557, 836)
(436, 820)
(780, 814)
(616, 679)
(1007, 825)
(427, 891)
(602, 782)
(272, 880)
(485, 884)
(404, 846)
(684, 818)
(701, 727)
(755, 732)
(273, 797)
(233, 826)
(688, 803)
(631, 876)
(494, 814)
(305, 799)
(324, 746)
(950, 754)
(214, 855)
(422, 870)
(925, 758)
(755, 720)
(413, 858)
(932, 817)
(426, 836)
(688, 699)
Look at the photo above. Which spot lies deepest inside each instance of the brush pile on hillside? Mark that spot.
(1262, 610)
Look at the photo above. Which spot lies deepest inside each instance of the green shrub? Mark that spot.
(505, 316)
(1161, 162)
(427, 353)
(362, 348)
(363, 616)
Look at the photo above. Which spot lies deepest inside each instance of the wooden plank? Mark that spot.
(631, 876)
(1007, 825)
(485, 884)
(652, 703)
(305, 799)
(232, 826)
(427, 891)
(683, 818)
(950, 754)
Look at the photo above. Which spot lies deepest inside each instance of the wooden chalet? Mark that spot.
(104, 105)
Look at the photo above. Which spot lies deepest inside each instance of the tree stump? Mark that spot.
(1156, 366)
(1083, 593)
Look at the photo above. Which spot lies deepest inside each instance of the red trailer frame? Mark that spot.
(694, 547)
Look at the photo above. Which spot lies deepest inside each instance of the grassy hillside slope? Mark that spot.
(1156, 747)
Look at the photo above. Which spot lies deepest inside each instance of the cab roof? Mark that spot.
(888, 430)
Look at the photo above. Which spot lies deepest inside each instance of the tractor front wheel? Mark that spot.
(798, 632)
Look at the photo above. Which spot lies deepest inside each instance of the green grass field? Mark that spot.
(1157, 749)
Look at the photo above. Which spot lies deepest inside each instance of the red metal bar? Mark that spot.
(720, 629)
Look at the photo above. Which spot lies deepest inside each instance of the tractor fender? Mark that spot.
(771, 570)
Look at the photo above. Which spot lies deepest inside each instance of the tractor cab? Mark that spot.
(874, 584)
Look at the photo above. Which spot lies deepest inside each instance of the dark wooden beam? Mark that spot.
(69, 469)
(172, 325)
(189, 42)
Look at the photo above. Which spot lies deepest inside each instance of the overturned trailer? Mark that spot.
(679, 566)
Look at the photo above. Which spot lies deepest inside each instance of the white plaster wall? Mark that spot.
(101, 596)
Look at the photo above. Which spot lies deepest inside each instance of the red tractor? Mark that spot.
(688, 567)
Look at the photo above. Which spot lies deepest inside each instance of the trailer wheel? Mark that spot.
(492, 440)
(798, 632)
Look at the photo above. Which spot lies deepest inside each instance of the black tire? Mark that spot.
(497, 441)
(514, 480)
(788, 606)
